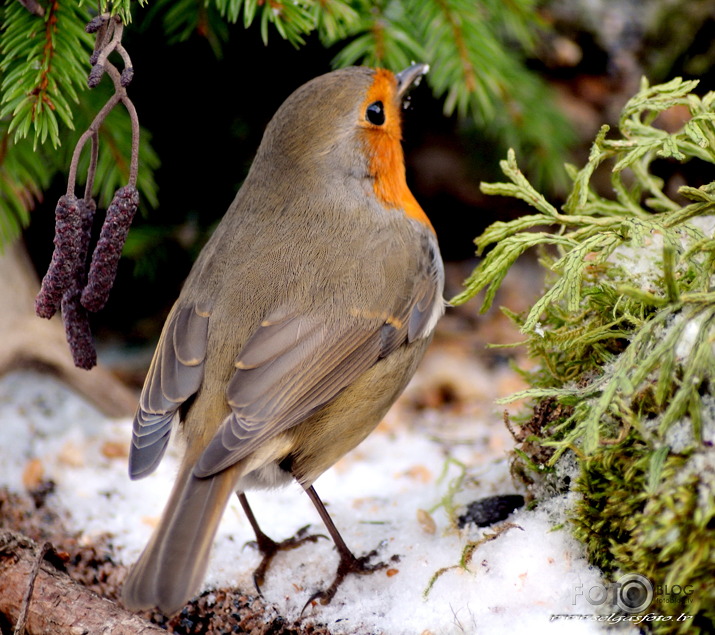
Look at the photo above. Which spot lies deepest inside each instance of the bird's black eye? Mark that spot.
(375, 113)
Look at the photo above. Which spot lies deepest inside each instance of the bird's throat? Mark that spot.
(387, 167)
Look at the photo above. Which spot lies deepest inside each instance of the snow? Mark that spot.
(643, 263)
(387, 492)
(639, 262)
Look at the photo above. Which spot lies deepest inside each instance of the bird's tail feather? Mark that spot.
(173, 565)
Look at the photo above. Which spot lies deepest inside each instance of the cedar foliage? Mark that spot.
(624, 334)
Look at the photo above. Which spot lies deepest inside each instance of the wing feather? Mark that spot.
(175, 374)
(303, 367)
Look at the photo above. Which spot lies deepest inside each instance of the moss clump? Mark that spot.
(625, 337)
(663, 531)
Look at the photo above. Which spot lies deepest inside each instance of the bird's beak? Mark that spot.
(410, 77)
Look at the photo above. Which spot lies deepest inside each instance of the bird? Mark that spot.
(301, 322)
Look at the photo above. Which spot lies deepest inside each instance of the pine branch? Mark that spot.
(183, 18)
(22, 179)
(476, 52)
(382, 35)
(292, 20)
(42, 65)
(121, 9)
(456, 35)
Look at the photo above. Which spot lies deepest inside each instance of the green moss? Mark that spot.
(664, 532)
(625, 338)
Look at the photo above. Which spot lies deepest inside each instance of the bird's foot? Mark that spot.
(348, 564)
(269, 548)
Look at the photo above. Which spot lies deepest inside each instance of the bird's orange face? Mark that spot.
(381, 121)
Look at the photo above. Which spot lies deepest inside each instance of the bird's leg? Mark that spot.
(269, 547)
(348, 562)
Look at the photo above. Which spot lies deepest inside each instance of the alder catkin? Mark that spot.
(105, 258)
(65, 258)
(95, 75)
(127, 76)
(77, 329)
(95, 24)
(76, 320)
(87, 210)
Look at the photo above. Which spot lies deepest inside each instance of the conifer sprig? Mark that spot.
(476, 52)
(42, 61)
(623, 394)
(597, 245)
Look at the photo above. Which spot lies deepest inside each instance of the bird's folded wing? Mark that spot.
(295, 364)
(175, 374)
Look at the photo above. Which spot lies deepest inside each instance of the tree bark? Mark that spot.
(58, 604)
(29, 341)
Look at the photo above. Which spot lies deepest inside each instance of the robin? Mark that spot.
(301, 322)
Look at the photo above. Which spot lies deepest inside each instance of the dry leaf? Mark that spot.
(33, 474)
(424, 518)
(114, 450)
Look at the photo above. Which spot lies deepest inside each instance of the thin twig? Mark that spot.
(133, 117)
(124, 55)
(92, 170)
(134, 161)
(20, 625)
(101, 26)
(87, 134)
(117, 31)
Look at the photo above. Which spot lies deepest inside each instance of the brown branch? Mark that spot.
(112, 31)
(120, 89)
(92, 170)
(134, 161)
(59, 605)
(20, 626)
(128, 71)
(86, 135)
(117, 30)
(99, 25)
(40, 91)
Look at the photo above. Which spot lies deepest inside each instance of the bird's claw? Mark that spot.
(359, 566)
(269, 548)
